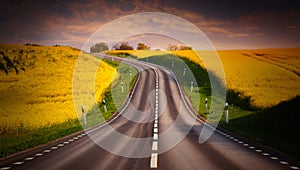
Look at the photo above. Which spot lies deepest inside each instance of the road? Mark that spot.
(156, 128)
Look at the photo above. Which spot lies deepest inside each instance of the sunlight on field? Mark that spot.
(269, 76)
(42, 95)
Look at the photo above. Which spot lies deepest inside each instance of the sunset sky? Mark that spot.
(228, 24)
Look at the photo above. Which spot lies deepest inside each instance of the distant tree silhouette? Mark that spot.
(98, 47)
(122, 46)
(142, 46)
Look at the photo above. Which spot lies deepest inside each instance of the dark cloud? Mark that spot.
(243, 23)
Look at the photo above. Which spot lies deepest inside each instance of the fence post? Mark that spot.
(104, 105)
(122, 87)
(83, 115)
(184, 70)
(206, 105)
(226, 110)
(192, 86)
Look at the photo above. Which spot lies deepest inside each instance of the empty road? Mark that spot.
(156, 128)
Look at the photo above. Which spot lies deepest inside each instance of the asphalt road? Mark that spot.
(155, 129)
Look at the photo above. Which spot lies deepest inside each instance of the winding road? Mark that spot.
(156, 128)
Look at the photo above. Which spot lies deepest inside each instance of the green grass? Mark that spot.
(21, 138)
(276, 126)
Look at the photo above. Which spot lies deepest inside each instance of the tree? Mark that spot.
(123, 46)
(172, 47)
(7, 64)
(175, 47)
(142, 46)
(183, 47)
(98, 47)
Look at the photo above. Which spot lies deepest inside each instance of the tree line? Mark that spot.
(102, 46)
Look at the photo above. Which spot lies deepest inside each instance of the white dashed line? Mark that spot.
(5, 168)
(60, 145)
(39, 154)
(154, 145)
(155, 130)
(18, 163)
(265, 154)
(294, 167)
(155, 136)
(29, 158)
(54, 147)
(283, 162)
(46, 151)
(274, 158)
(153, 162)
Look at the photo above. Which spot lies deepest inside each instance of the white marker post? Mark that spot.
(192, 87)
(184, 70)
(122, 87)
(206, 107)
(172, 63)
(104, 105)
(226, 110)
(130, 73)
(83, 115)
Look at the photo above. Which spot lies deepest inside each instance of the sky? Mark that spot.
(230, 24)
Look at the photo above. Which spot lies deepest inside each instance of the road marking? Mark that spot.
(6, 168)
(154, 145)
(155, 130)
(153, 162)
(251, 147)
(265, 154)
(39, 154)
(283, 162)
(155, 136)
(274, 158)
(155, 125)
(294, 167)
(18, 163)
(54, 147)
(46, 151)
(60, 145)
(29, 158)
(258, 150)
(66, 142)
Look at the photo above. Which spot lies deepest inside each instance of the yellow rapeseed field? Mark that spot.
(269, 76)
(42, 95)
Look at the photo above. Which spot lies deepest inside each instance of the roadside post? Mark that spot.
(226, 110)
(184, 70)
(104, 105)
(130, 72)
(122, 87)
(172, 63)
(83, 115)
(206, 107)
(192, 86)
